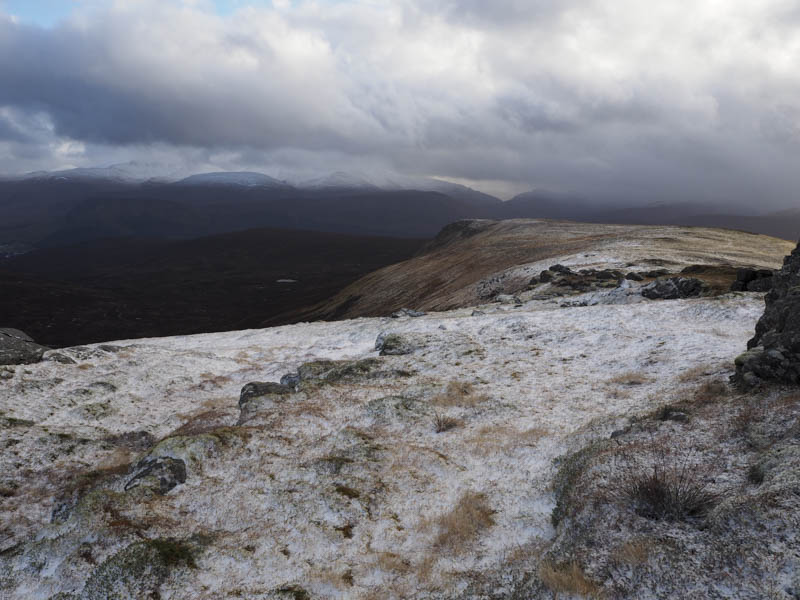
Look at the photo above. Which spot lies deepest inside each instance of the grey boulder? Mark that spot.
(17, 348)
(673, 288)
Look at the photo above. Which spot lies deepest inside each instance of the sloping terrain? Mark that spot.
(470, 458)
(470, 261)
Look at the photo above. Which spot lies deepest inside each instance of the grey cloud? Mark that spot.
(566, 95)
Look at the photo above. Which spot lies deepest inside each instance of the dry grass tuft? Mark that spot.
(442, 423)
(696, 373)
(711, 391)
(629, 378)
(568, 579)
(459, 393)
(469, 518)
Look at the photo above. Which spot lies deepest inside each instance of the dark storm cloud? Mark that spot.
(642, 100)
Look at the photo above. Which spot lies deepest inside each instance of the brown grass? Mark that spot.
(629, 378)
(633, 552)
(459, 393)
(490, 439)
(209, 381)
(393, 563)
(711, 391)
(696, 373)
(203, 423)
(568, 579)
(464, 523)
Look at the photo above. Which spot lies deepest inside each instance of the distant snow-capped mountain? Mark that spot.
(233, 178)
(129, 172)
(151, 172)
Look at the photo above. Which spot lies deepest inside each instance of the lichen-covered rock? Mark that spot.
(394, 344)
(17, 348)
(160, 474)
(137, 571)
(774, 352)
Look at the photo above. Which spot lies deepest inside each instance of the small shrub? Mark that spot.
(755, 474)
(469, 517)
(567, 579)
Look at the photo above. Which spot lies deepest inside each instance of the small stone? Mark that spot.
(291, 380)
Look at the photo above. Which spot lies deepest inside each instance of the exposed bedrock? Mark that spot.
(773, 354)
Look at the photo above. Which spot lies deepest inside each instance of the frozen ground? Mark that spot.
(344, 489)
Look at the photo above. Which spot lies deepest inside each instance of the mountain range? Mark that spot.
(48, 209)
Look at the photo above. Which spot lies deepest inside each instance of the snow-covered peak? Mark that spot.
(339, 179)
(234, 178)
(129, 172)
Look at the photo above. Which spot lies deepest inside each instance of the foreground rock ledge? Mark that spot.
(773, 354)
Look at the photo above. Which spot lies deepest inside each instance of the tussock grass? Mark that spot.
(665, 486)
(442, 423)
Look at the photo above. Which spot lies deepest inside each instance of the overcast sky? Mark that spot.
(645, 101)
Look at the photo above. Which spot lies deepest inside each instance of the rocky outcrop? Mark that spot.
(752, 280)
(17, 348)
(673, 288)
(773, 354)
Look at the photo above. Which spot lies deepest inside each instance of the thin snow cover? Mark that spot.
(234, 178)
(340, 490)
